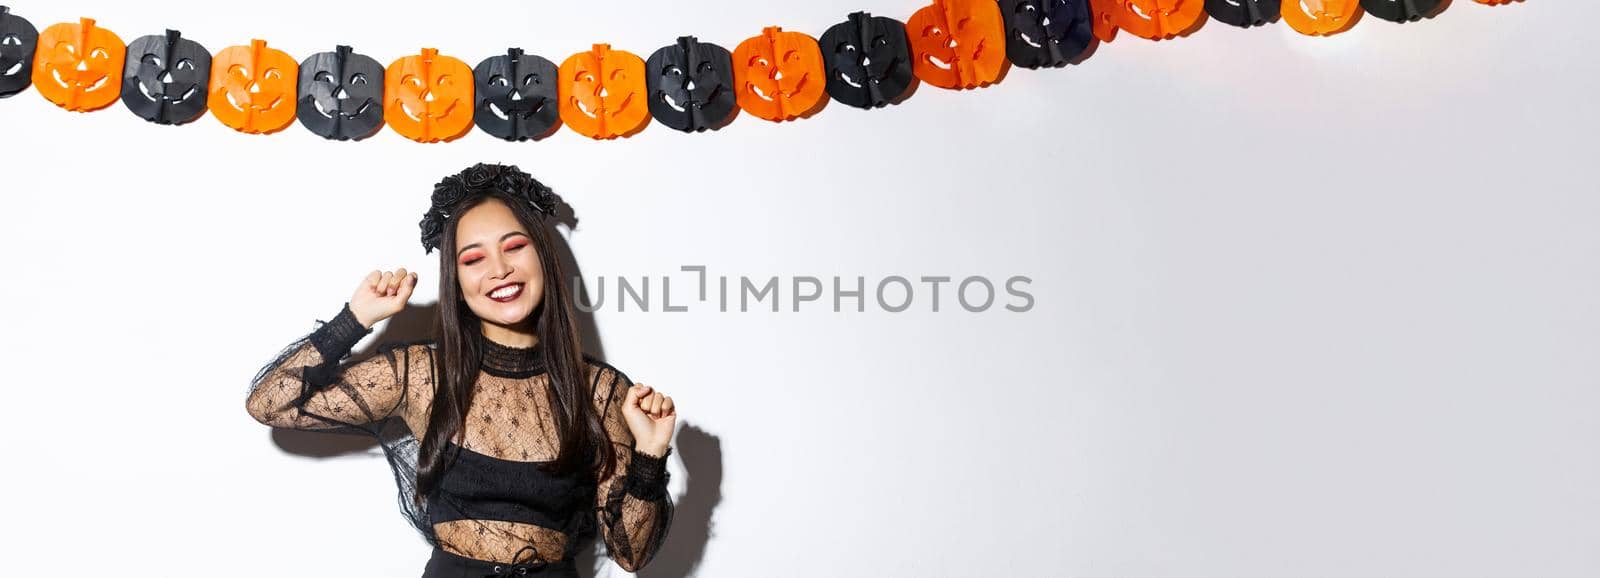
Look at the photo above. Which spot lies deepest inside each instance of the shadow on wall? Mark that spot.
(698, 450)
(692, 528)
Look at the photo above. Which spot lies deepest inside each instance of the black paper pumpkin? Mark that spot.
(1244, 13)
(868, 59)
(1046, 33)
(1401, 10)
(18, 39)
(341, 95)
(691, 85)
(165, 78)
(517, 96)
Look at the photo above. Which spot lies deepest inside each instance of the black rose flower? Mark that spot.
(525, 187)
(480, 175)
(432, 226)
(543, 199)
(448, 192)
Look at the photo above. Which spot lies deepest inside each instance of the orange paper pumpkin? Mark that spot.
(1160, 19)
(1496, 2)
(1104, 16)
(958, 43)
(79, 66)
(428, 97)
(779, 75)
(253, 88)
(604, 93)
(1321, 17)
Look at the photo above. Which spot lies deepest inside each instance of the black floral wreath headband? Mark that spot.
(480, 179)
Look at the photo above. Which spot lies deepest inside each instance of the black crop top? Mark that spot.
(492, 501)
(482, 487)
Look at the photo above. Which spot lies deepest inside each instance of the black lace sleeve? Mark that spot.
(632, 505)
(305, 387)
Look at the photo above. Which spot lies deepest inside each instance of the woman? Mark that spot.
(507, 442)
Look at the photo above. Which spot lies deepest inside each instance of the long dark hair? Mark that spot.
(582, 437)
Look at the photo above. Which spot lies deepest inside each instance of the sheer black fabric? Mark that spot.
(493, 502)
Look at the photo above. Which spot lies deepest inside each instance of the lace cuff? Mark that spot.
(647, 475)
(336, 338)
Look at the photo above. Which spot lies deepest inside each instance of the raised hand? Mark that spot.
(381, 295)
(650, 416)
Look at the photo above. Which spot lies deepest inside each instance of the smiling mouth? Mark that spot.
(507, 293)
(339, 112)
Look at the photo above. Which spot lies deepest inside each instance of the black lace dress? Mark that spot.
(494, 503)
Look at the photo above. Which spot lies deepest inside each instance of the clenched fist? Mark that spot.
(650, 417)
(381, 295)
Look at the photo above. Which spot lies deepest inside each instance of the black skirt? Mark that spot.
(446, 565)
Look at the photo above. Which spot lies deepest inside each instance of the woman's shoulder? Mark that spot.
(606, 377)
(419, 346)
(414, 353)
(601, 368)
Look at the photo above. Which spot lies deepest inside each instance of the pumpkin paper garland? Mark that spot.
(691, 85)
(958, 44)
(517, 96)
(780, 75)
(1321, 17)
(18, 41)
(1047, 33)
(1244, 13)
(341, 95)
(604, 93)
(253, 88)
(868, 61)
(428, 97)
(79, 65)
(166, 78)
(1401, 11)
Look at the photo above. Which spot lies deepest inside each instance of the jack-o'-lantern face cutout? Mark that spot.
(253, 88)
(1401, 10)
(868, 61)
(604, 93)
(1160, 19)
(78, 65)
(18, 38)
(1244, 13)
(779, 75)
(341, 95)
(1046, 33)
(691, 85)
(428, 97)
(1321, 17)
(516, 95)
(166, 78)
(958, 43)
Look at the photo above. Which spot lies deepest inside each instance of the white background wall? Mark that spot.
(1305, 307)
